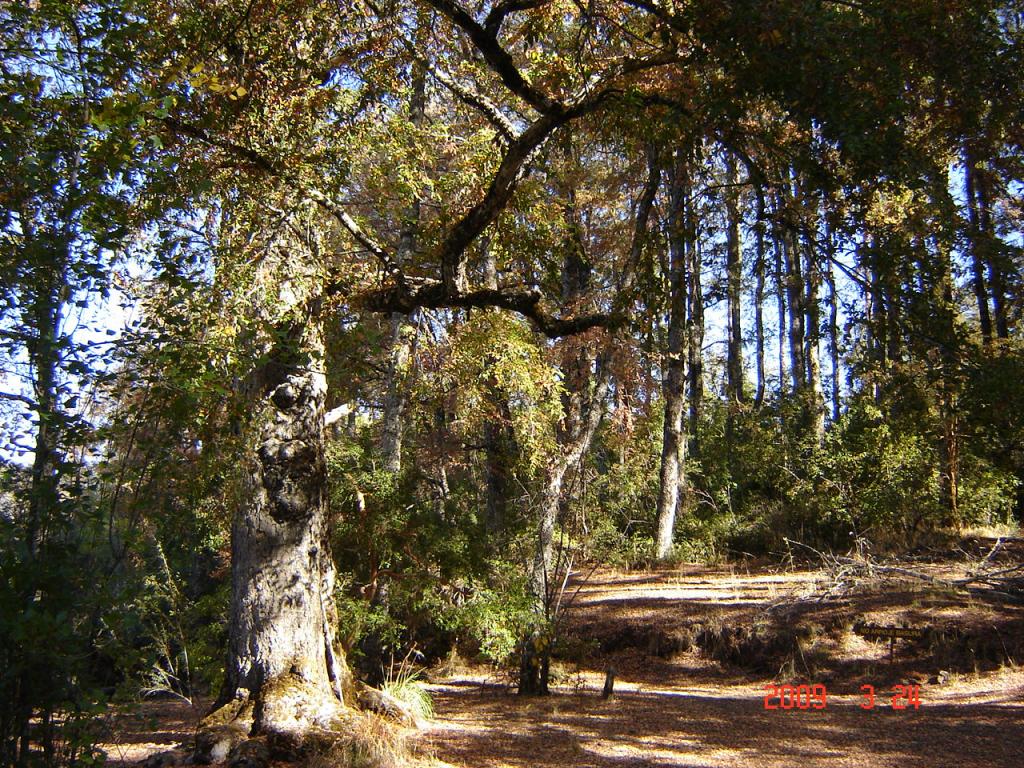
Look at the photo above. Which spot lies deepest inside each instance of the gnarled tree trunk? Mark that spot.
(285, 677)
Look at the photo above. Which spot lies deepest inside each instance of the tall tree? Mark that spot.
(673, 385)
(733, 292)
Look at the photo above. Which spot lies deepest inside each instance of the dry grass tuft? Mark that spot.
(368, 741)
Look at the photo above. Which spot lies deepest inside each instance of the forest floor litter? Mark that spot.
(696, 651)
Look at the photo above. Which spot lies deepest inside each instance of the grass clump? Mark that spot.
(368, 741)
(404, 683)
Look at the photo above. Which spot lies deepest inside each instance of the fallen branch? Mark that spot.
(845, 571)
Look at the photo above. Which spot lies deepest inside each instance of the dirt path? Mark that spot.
(694, 649)
(683, 710)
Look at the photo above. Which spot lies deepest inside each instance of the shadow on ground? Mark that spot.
(495, 728)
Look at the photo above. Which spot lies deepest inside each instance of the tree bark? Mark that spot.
(815, 404)
(586, 386)
(936, 270)
(44, 317)
(996, 276)
(695, 331)
(500, 452)
(833, 339)
(501, 449)
(399, 346)
(401, 331)
(759, 276)
(285, 676)
(734, 277)
(795, 304)
(780, 298)
(876, 318)
(673, 449)
(974, 238)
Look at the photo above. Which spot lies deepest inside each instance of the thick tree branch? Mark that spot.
(500, 11)
(498, 58)
(598, 86)
(453, 247)
(478, 101)
(463, 92)
(335, 415)
(640, 226)
(432, 295)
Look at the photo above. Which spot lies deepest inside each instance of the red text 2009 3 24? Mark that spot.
(805, 697)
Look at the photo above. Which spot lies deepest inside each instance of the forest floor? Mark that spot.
(696, 651)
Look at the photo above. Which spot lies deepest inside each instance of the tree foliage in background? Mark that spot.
(611, 284)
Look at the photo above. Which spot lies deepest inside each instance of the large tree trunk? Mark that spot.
(673, 449)
(285, 676)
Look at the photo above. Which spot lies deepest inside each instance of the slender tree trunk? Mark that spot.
(996, 276)
(673, 449)
(759, 276)
(790, 245)
(936, 271)
(586, 387)
(694, 331)
(977, 249)
(43, 352)
(816, 403)
(833, 338)
(549, 568)
(399, 347)
(795, 304)
(876, 329)
(43, 317)
(780, 303)
(734, 277)
(500, 453)
(401, 330)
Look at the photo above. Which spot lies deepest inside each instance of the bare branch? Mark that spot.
(28, 401)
